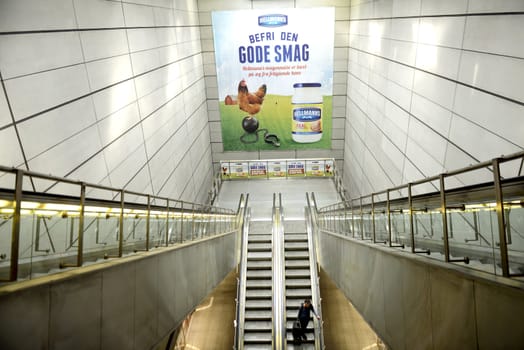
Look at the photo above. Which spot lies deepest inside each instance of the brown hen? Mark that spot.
(249, 102)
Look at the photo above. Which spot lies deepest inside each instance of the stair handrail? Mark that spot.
(279, 309)
(314, 268)
(80, 195)
(437, 183)
(244, 217)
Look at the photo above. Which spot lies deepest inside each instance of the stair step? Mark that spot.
(260, 274)
(296, 246)
(257, 337)
(259, 247)
(258, 315)
(259, 238)
(297, 273)
(259, 304)
(295, 237)
(258, 294)
(292, 254)
(296, 282)
(297, 264)
(259, 284)
(291, 346)
(255, 346)
(298, 293)
(254, 325)
(266, 232)
(259, 265)
(258, 255)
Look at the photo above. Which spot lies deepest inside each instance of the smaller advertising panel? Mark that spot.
(257, 170)
(315, 168)
(296, 168)
(238, 170)
(276, 169)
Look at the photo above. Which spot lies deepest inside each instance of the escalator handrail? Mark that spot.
(244, 216)
(315, 286)
(279, 310)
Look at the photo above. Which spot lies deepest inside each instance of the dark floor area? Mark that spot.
(211, 325)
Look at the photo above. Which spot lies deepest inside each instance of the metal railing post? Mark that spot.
(352, 220)
(181, 222)
(15, 230)
(443, 210)
(121, 226)
(361, 220)
(80, 256)
(192, 221)
(148, 218)
(501, 219)
(373, 218)
(167, 222)
(411, 223)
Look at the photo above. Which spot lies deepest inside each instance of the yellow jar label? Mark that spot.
(307, 120)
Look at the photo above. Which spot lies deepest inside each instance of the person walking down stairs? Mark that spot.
(304, 314)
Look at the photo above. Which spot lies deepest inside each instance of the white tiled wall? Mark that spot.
(432, 86)
(108, 92)
(124, 93)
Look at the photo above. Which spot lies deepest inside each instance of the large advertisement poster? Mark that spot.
(275, 78)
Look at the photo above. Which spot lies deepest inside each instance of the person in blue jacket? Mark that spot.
(304, 314)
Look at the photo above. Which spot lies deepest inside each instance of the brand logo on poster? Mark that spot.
(272, 20)
(275, 78)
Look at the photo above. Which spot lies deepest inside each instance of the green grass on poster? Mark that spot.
(275, 116)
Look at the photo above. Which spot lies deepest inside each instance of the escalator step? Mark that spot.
(259, 274)
(255, 325)
(259, 346)
(258, 315)
(258, 247)
(259, 304)
(258, 283)
(295, 246)
(298, 293)
(258, 294)
(297, 264)
(297, 273)
(257, 337)
(291, 254)
(258, 255)
(296, 282)
(259, 238)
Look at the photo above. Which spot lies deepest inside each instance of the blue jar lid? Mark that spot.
(302, 85)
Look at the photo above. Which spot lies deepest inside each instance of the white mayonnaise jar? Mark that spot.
(306, 124)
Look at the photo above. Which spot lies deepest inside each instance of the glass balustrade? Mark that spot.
(473, 217)
(72, 224)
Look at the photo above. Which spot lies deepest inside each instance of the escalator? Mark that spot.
(297, 281)
(276, 276)
(258, 298)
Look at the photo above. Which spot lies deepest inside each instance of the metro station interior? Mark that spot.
(129, 221)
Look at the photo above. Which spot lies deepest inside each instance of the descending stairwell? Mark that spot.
(258, 305)
(297, 280)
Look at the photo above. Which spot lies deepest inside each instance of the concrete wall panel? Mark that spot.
(118, 298)
(416, 302)
(75, 313)
(127, 303)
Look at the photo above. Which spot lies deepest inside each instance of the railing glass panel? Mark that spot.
(473, 217)
(71, 223)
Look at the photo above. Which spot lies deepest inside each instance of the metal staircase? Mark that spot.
(258, 303)
(276, 276)
(297, 280)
